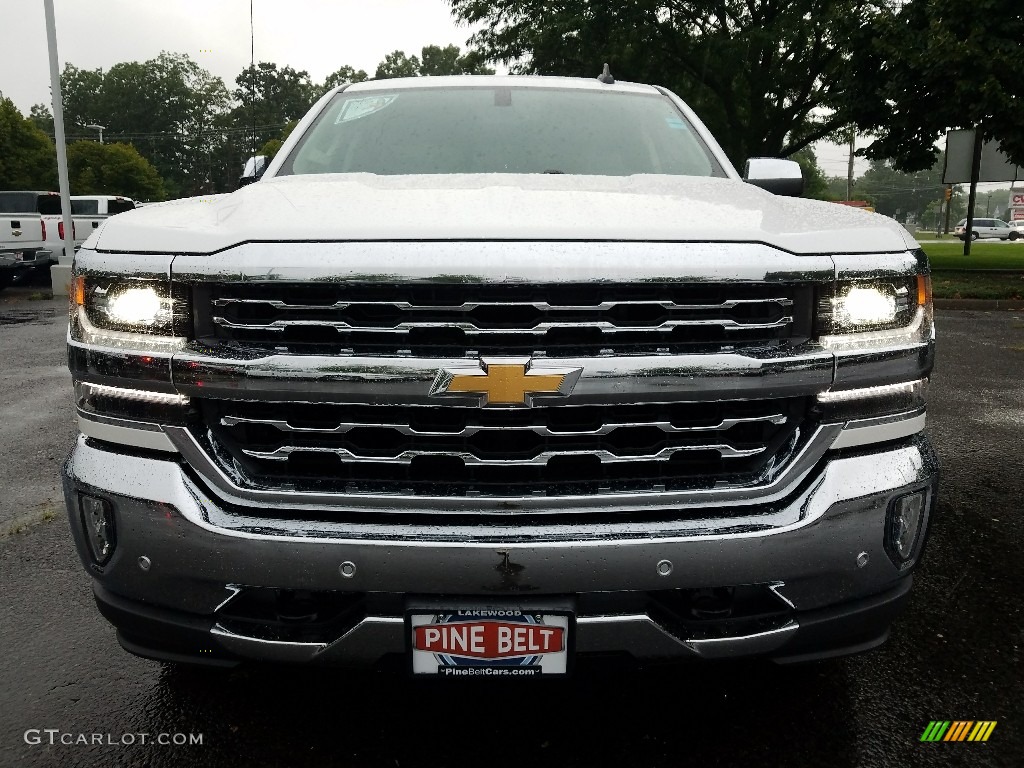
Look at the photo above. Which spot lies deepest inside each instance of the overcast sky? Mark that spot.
(318, 36)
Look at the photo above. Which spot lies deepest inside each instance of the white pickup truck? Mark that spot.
(23, 248)
(487, 372)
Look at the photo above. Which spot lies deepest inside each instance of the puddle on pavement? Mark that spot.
(42, 316)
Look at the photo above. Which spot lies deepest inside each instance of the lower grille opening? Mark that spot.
(719, 611)
(294, 616)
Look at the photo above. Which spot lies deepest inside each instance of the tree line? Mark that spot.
(172, 129)
(769, 78)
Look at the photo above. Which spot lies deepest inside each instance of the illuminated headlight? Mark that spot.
(137, 307)
(876, 313)
(872, 306)
(143, 314)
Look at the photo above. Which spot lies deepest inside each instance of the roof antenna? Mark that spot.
(252, 82)
(606, 76)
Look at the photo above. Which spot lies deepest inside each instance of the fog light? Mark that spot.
(906, 518)
(98, 522)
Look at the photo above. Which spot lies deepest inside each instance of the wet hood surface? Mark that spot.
(341, 207)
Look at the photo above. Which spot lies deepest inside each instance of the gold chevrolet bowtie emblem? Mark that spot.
(505, 381)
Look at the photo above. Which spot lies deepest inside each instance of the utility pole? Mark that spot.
(58, 131)
(972, 197)
(849, 168)
(949, 208)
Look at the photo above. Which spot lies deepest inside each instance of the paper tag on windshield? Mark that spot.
(353, 109)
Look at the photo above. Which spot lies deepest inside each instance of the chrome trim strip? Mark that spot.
(870, 431)
(776, 589)
(472, 460)
(133, 436)
(864, 393)
(538, 429)
(775, 489)
(114, 421)
(407, 381)
(276, 650)
(759, 642)
(470, 329)
(522, 261)
(139, 395)
(235, 591)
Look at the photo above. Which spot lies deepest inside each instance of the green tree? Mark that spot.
(931, 65)
(345, 74)
(768, 78)
(904, 196)
(397, 64)
(166, 107)
(112, 169)
(272, 147)
(432, 61)
(27, 156)
(41, 118)
(267, 98)
(816, 185)
(435, 60)
(83, 102)
(280, 94)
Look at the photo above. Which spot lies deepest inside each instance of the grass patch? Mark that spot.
(1000, 256)
(40, 296)
(977, 285)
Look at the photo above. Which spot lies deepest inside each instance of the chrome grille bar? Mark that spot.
(468, 431)
(471, 305)
(470, 459)
(470, 329)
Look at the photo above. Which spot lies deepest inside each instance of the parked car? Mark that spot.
(990, 228)
(1018, 227)
(486, 372)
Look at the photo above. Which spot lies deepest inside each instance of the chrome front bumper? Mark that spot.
(182, 554)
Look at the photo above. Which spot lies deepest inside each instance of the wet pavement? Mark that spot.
(956, 654)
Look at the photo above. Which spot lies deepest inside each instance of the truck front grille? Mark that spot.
(456, 319)
(445, 450)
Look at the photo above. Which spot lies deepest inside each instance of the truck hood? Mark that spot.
(340, 207)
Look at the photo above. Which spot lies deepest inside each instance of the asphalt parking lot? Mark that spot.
(956, 655)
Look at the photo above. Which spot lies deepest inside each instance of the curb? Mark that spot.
(1010, 305)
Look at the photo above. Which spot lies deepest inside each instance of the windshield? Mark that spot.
(501, 130)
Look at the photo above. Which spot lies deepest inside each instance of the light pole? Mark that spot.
(99, 128)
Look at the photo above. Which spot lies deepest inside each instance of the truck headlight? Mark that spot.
(139, 314)
(875, 313)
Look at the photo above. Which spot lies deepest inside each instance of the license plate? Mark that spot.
(489, 642)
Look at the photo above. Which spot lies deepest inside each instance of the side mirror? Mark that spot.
(780, 177)
(253, 170)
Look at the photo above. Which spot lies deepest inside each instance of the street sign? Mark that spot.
(995, 166)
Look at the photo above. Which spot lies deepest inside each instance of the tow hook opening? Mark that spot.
(719, 611)
(292, 615)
